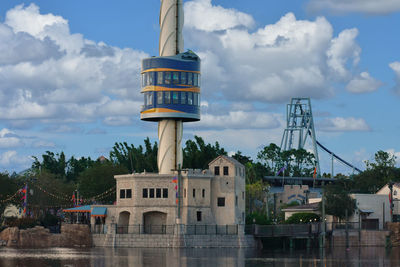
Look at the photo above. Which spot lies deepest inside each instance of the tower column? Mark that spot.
(170, 149)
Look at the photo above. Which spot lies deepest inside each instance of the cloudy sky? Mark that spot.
(69, 74)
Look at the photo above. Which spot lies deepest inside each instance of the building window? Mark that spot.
(150, 98)
(165, 193)
(175, 77)
(198, 216)
(167, 97)
(128, 193)
(195, 79)
(196, 99)
(122, 193)
(145, 193)
(194, 193)
(151, 78)
(236, 201)
(183, 78)
(175, 98)
(167, 77)
(160, 77)
(183, 97)
(151, 192)
(226, 170)
(190, 98)
(221, 202)
(184, 192)
(158, 193)
(216, 170)
(190, 78)
(242, 195)
(242, 216)
(203, 193)
(159, 98)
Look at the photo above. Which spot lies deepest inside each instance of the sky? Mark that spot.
(70, 72)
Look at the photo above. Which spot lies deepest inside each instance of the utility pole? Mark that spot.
(391, 200)
(322, 236)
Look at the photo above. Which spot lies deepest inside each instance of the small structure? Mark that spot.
(148, 203)
(309, 208)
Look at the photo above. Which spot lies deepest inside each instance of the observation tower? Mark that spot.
(171, 87)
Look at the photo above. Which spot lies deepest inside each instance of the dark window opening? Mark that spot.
(122, 193)
(151, 192)
(226, 170)
(216, 170)
(184, 192)
(145, 193)
(158, 193)
(198, 216)
(236, 201)
(167, 97)
(194, 192)
(165, 193)
(128, 193)
(159, 77)
(221, 202)
(203, 193)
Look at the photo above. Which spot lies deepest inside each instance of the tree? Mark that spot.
(197, 154)
(136, 158)
(302, 217)
(377, 173)
(98, 179)
(338, 200)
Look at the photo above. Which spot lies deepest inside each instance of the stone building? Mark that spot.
(215, 196)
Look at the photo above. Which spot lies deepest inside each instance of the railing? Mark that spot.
(282, 230)
(195, 229)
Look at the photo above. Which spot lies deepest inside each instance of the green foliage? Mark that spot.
(21, 223)
(98, 179)
(59, 166)
(302, 217)
(298, 162)
(255, 192)
(197, 154)
(377, 173)
(135, 159)
(8, 186)
(258, 218)
(337, 199)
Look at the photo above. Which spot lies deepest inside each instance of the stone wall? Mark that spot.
(173, 241)
(364, 238)
(72, 235)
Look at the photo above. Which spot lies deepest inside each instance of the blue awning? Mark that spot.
(79, 209)
(99, 212)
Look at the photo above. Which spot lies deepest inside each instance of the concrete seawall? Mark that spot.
(173, 241)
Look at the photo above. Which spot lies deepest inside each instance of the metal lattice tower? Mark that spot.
(299, 125)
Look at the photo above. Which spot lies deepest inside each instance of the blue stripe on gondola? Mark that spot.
(177, 107)
(170, 63)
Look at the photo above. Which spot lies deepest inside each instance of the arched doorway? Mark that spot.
(123, 222)
(155, 222)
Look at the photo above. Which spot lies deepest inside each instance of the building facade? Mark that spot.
(209, 197)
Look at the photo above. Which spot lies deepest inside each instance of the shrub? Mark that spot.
(21, 223)
(302, 217)
(260, 218)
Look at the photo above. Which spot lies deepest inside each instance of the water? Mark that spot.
(62, 257)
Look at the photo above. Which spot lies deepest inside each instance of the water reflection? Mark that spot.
(369, 256)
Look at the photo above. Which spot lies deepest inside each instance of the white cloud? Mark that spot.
(11, 160)
(9, 139)
(363, 83)
(43, 144)
(117, 120)
(395, 66)
(49, 74)
(395, 153)
(239, 120)
(360, 6)
(339, 124)
(275, 62)
(204, 16)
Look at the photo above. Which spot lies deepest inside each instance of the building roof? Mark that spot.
(306, 207)
(234, 161)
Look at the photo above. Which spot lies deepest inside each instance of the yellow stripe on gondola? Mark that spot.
(161, 88)
(161, 110)
(168, 69)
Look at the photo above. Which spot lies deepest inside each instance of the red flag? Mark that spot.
(175, 180)
(315, 173)
(177, 201)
